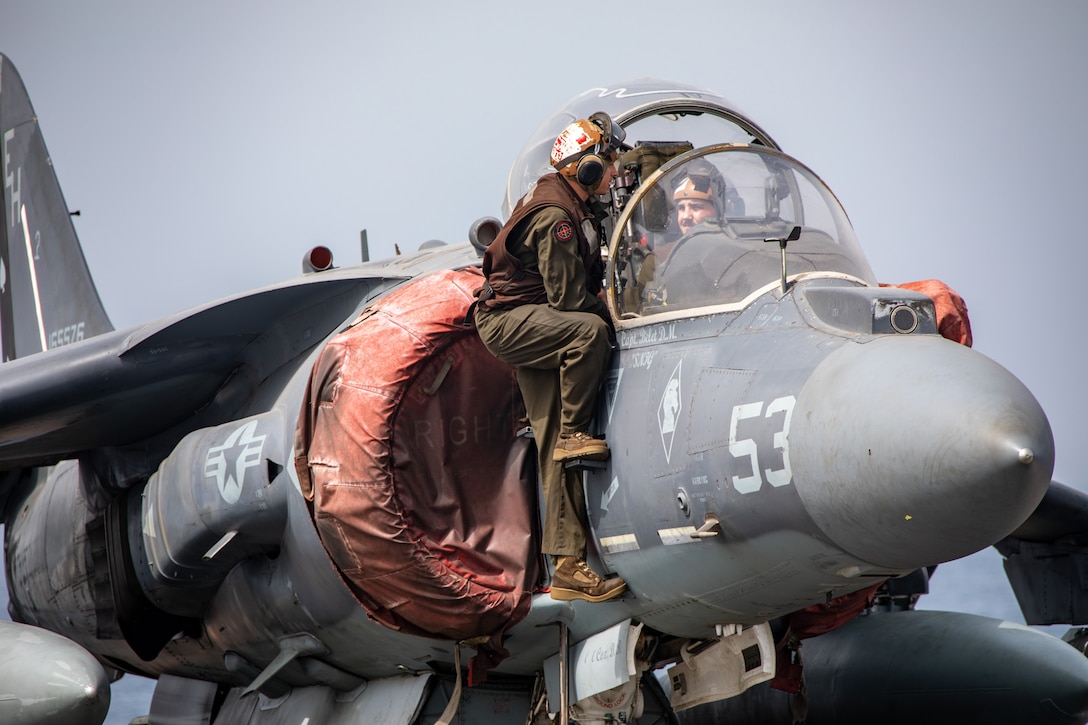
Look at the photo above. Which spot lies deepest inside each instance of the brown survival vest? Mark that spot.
(513, 285)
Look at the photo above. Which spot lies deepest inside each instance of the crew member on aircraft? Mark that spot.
(540, 312)
(699, 196)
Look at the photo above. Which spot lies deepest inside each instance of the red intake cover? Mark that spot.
(422, 495)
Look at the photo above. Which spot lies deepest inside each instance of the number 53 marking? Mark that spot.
(747, 447)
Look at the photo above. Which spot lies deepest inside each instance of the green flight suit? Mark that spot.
(561, 350)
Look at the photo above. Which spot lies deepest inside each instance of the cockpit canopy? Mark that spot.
(704, 230)
(647, 109)
(677, 132)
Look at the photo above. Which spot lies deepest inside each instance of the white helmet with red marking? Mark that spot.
(586, 147)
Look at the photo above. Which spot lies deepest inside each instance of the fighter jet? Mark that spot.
(317, 502)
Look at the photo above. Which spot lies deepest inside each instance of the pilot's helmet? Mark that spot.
(586, 147)
(701, 180)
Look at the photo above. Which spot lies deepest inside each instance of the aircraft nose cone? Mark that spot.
(911, 451)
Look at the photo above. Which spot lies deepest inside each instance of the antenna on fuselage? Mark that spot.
(793, 236)
(364, 246)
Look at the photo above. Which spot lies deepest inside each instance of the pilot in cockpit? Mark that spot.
(703, 204)
(698, 199)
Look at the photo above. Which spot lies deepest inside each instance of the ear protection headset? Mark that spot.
(590, 170)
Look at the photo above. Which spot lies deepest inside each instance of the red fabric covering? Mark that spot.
(812, 622)
(422, 495)
(952, 321)
(823, 618)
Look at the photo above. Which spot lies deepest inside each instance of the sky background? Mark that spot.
(209, 145)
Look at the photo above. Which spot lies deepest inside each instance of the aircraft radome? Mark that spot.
(794, 448)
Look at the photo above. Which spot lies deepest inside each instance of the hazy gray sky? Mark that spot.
(209, 145)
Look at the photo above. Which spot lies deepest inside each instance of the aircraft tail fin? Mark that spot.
(47, 295)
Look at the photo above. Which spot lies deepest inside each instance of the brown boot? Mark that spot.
(579, 445)
(574, 579)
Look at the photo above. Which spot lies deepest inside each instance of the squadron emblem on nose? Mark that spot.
(669, 410)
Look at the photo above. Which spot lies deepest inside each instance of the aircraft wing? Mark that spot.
(128, 385)
(1046, 559)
